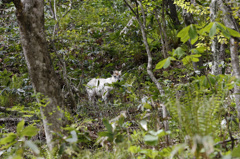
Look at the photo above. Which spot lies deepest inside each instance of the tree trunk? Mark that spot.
(231, 23)
(30, 16)
(164, 29)
(149, 65)
(173, 13)
(153, 78)
(215, 45)
(164, 47)
(236, 72)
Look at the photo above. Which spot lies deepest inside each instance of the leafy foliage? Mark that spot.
(89, 39)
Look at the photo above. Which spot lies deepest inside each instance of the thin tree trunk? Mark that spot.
(236, 72)
(215, 45)
(222, 53)
(230, 22)
(164, 48)
(173, 13)
(149, 66)
(164, 28)
(30, 16)
(153, 78)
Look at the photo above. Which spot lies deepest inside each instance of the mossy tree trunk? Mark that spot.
(30, 16)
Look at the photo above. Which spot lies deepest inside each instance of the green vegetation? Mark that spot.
(90, 39)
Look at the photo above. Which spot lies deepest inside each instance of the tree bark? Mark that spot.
(230, 22)
(30, 16)
(173, 13)
(216, 70)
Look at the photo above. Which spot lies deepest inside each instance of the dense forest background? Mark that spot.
(178, 97)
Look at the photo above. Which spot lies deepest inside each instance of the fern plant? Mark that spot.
(196, 110)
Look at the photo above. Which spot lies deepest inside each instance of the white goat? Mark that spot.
(99, 86)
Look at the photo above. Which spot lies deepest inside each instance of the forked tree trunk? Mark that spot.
(231, 23)
(30, 16)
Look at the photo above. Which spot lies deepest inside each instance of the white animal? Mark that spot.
(100, 86)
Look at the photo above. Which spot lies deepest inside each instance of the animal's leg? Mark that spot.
(104, 97)
(91, 94)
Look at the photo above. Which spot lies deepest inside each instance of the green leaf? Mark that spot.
(183, 34)
(213, 30)
(151, 139)
(206, 28)
(107, 125)
(194, 51)
(150, 153)
(186, 60)
(191, 58)
(147, 106)
(222, 28)
(179, 52)
(20, 127)
(161, 64)
(134, 149)
(233, 32)
(30, 131)
(193, 41)
(193, 34)
(196, 55)
(236, 151)
(164, 63)
(8, 145)
(194, 59)
(106, 134)
(10, 138)
(149, 40)
(159, 133)
(201, 49)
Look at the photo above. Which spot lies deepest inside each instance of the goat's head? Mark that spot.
(116, 75)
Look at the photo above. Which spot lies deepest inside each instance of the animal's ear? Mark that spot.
(120, 72)
(114, 72)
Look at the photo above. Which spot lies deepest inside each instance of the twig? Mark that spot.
(13, 119)
(130, 7)
(223, 142)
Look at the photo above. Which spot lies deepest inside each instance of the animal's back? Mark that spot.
(96, 87)
(100, 87)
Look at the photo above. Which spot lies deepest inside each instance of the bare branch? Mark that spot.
(130, 7)
(51, 9)
(69, 9)
(13, 119)
(55, 10)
